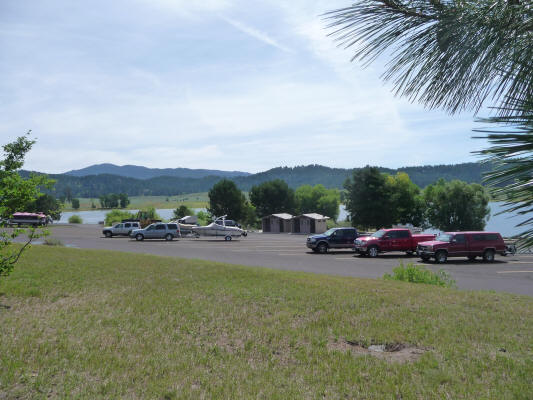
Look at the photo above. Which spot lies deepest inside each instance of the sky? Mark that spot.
(217, 84)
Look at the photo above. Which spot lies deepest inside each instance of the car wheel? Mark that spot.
(322, 248)
(471, 258)
(139, 237)
(169, 237)
(373, 251)
(108, 234)
(488, 255)
(245, 233)
(441, 257)
(227, 238)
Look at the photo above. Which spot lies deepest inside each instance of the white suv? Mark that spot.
(122, 229)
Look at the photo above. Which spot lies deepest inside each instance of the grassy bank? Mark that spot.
(98, 324)
(192, 200)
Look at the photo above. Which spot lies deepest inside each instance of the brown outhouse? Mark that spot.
(277, 223)
(309, 223)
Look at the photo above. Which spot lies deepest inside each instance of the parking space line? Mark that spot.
(513, 272)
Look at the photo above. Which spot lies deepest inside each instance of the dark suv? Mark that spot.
(335, 238)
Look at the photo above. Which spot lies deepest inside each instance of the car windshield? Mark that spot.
(444, 237)
(379, 233)
(329, 232)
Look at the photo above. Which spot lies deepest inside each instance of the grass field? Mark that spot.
(192, 200)
(100, 324)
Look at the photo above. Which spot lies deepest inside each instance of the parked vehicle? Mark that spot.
(334, 238)
(123, 229)
(33, 219)
(386, 240)
(219, 228)
(463, 244)
(157, 231)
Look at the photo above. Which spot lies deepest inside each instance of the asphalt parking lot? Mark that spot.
(288, 252)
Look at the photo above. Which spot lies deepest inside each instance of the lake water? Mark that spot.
(96, 216)
(505, 223)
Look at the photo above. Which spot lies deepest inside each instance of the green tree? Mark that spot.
(124, 200)
(368, 199)
(75, 203)
(407, 203)
(272, 197)
(455, 55)
(456, 206)
(318, 199)
(182, 211)
(226, 199)
(16, 193)
(47, 204)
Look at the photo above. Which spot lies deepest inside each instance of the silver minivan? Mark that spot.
(158, 230)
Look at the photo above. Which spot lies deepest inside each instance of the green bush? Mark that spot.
(117, 216)
(75, 219)
(416, 274)
(53, 242)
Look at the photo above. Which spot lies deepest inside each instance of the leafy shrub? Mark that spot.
(117, 216)
(203, 218)
(53, 242)
(75, 219)
(417, 274)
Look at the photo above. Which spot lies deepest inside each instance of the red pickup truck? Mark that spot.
(463, 244)
(389, 240)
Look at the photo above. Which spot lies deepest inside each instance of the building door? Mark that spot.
(313, 226)
(296, 225)
(281, 227)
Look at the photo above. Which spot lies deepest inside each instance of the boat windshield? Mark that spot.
(379, 233)
(444, 237)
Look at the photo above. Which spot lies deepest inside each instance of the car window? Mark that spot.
(160, 227)
(460, 238)
(172, 226)
(127, 225)
(118, 226)
(403, 234)
(391, 235)
(150, 228)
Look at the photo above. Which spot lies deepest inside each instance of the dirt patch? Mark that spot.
(391, 352)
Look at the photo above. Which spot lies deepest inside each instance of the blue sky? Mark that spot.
(222, 84)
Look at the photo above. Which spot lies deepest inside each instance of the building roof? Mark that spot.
(280, 216)
(314, 216)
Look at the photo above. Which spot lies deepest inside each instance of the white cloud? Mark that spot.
(257, 34)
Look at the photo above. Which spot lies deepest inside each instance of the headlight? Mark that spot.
(312, 240)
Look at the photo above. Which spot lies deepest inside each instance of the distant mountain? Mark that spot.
(96, 185)
(138, 172)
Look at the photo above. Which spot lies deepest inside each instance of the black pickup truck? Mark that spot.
(335, 238)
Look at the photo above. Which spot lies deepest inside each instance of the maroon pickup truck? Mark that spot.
(389, 240)
(463, 244)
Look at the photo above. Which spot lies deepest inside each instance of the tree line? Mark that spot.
(375, 200)
(93, 186)
(270, 197)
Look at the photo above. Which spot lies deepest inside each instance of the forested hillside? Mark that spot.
(135, 171)
(96, 185)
